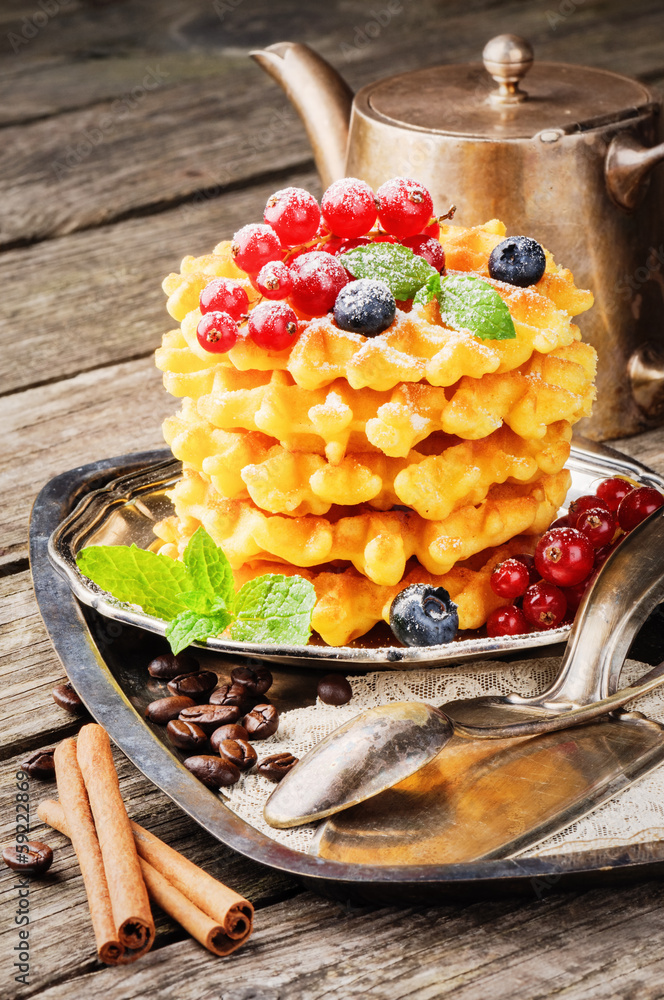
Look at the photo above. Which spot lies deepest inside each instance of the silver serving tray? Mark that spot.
(106, 662)
(126, 509)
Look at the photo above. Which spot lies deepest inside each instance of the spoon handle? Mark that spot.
(563, 720)
(627, 588)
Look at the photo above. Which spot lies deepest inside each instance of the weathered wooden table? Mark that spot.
(134, 134)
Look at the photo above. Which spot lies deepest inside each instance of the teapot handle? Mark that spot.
(628, 162)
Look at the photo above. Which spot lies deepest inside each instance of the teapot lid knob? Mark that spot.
(507, 58)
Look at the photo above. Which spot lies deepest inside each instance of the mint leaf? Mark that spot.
(430, 290)
(203, 604)
(274, 608)
(191, 627)
(468, 303)
(137, 576)
(208, 567)
(401, 270)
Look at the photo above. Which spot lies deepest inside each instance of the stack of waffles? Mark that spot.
(421, 455)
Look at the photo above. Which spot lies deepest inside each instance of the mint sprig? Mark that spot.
(197, 597)
(469, 303)
(402, 270)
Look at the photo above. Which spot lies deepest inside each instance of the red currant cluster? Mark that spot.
(293, 256)
(552, 584)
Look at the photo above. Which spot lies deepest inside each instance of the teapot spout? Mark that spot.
(320, 96)
(628, 163)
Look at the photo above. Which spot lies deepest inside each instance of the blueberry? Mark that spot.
(518, 261)
(424, 616)
(365, 306)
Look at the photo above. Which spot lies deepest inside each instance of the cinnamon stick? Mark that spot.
(231, 911)
(126, 888)
(212, 934)
(77, 817)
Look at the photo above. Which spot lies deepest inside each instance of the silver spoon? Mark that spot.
(387, 744)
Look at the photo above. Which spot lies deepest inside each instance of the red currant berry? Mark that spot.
(603, 553)
(255, 245)
(294, 215)
(506, 621)
(217, 332)
(432, 229)
(428, 248)
(274, 280)
(510, 579)
(317, 280)
(586, 502)
(599, 526)
(273, 326)
(349, 207)
(574, 595)
(564, 556)
(637, 505)
(544, 605)
(383, 238)
(529, 563)
(613, 490)
(560, 522)
(404, 207)
(361, 241)
(224, 295)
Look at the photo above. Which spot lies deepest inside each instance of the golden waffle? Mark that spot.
(348, 604)
(377, 543)
(416, 347)
(367, 464)
(247, 464)
(337, 419)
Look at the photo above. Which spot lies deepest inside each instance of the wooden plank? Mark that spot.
(94, 298)
(99, 163)
(154, 147)
(580, 945)
(48, 430)
(29, 669)
(50, 85)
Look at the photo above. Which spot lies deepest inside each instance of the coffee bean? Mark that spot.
(40, 765)
(334, 689)
(35, 860)
(277, 766)
(185, 735)
(215, 772)
(258, 680)
(163, 710)
(261, 722)
(168, 666)
(230, 732)
(65, 696)
(231, 694)
(239, 752)
(196, 686)
(210, 717)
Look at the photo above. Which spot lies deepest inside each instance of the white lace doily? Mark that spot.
(636, 815)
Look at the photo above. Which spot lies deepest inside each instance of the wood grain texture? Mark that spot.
(105, 412)
(584, 946)
(29, 669)
(93, 298)
(158, 144)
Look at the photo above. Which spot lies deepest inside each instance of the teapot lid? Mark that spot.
(462, 99)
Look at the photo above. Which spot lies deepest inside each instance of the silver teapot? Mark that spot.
(566, 160)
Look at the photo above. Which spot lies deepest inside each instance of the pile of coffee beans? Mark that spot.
(202, 715)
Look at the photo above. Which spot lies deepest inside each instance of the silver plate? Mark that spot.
(126, 510)
(105, 662)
